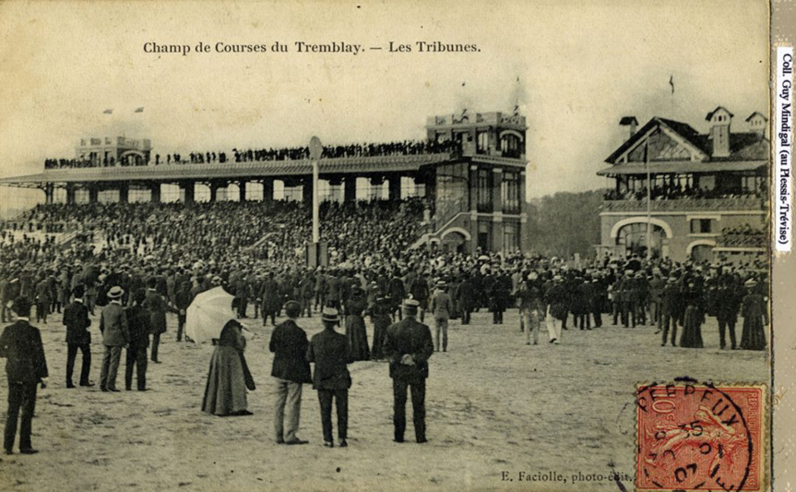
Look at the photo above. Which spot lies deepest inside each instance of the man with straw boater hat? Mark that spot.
(115, 336)
(408, 346)
(441, 308)
(331, 354)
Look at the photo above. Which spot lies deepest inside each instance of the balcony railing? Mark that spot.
(742, 241)
(686, 204)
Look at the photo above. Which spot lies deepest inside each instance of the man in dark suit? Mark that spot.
(330, 352)
(26, 367)
(290, 370)
(671, 299)
(78, 337)
(157, 307)
(139, 322)
(408, 345)
(115, 335)
(271, 299)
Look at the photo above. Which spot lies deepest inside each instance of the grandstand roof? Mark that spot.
(178, 172)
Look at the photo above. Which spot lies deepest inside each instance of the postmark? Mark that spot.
(700, 436)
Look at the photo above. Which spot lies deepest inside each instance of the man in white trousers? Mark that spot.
(556, 302)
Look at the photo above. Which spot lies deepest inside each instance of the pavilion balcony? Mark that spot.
(686, 204)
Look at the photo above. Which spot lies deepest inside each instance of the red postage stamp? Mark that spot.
(700, 436)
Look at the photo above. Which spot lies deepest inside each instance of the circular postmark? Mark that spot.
(693, 436)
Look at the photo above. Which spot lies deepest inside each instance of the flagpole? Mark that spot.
(649, 200)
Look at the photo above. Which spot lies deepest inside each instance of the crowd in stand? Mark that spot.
(676, 191)
(405, 147)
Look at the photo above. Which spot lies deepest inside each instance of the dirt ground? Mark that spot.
(496, 408)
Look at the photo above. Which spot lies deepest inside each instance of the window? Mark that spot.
(510, 145)
(482, 142)
(510, 192)
(511, 237)
(701, 226)
(484, 191)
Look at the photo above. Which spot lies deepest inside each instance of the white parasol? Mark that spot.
(208, 314)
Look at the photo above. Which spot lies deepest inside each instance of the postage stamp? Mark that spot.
(700, 436)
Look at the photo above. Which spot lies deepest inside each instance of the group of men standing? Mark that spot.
(407, 345)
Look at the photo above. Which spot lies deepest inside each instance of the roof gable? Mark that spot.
(679, 133)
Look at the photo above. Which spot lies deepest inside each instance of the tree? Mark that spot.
(564, 224)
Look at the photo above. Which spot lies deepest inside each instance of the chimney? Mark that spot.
(758, 123)
(631, 123)
(720, 120)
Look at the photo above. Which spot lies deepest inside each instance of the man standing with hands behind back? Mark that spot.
(408, 345)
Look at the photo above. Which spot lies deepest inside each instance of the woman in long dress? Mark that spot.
(229, 376)
(754, 315)
(692, 320)
(355, 325)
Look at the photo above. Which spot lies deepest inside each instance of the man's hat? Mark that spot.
(442, 284)
(557, 278)
(21, 306)
(330, 315)
(672, 280)
(78, 291)
(411, 306)
(750, 283)
(628, 272)
(115, 292)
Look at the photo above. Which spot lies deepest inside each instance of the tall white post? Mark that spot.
(316, 149)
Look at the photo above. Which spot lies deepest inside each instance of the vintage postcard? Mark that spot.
(360, 245)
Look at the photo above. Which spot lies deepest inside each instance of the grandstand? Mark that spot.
(460, 190)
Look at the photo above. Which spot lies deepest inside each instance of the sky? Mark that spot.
(575, 68)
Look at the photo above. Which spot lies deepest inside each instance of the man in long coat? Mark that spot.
(26, 367)
(271, 298)
(408, 346)
(157, 307)
(78, 337)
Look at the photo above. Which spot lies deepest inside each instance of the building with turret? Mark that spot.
(470, 169)
(708, 192)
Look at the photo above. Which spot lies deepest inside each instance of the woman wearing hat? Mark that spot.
(755, 318)
(692, 320)
(355, 325)
(229, 376)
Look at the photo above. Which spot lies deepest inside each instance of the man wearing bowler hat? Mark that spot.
(331, 354)
(26, 367)
(115, 336)
(408, 345)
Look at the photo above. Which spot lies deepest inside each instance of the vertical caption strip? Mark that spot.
(783, 215)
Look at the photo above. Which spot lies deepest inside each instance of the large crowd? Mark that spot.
(398, 148)
(158, 258)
